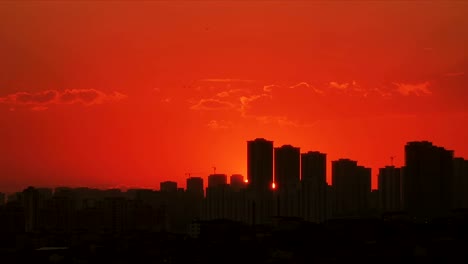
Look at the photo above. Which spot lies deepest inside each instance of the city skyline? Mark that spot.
(420, 210)
(431, 185)
(132, 93)
(233, 131)
(278, 166)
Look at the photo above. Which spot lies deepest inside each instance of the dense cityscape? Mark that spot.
(283, 211)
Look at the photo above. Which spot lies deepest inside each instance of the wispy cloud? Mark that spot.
(212, 104)
(339, 86)
(302, 103)
(247, 100)
(269, 88)
(418, 89)
(39, 108)
(226, 80)
(40, 101)
(300, 85)
(228, 92)
(305, 85)
(454, 74)
(280, 120)
(218, 124)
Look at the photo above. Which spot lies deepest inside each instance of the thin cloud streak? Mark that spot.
(212, 104)
(226, 80)
(418, 89)
(39, 101)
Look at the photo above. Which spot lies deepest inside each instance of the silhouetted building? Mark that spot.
(12, 220)
(237, 182)
(428, 180)
(195, 186)
(58, 191)
(217, 193)
(314, 186)
(374, 202)
(2, 199)
(460, 183)
(260, 164)
(260, 206)
(364, 189)
(287, 177)
(352, 187)
(168, 186)
(215, 180)
(330, 201)
(287, 167)
(16, 197)
(389, 185)
(32, 203)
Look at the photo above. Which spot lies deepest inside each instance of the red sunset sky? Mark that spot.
(127, 93)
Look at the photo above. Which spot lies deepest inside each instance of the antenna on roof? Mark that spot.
(214, 170)
(391, 160)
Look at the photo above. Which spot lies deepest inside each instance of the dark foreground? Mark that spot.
(287, 241)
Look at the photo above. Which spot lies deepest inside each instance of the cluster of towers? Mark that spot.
(282, 181)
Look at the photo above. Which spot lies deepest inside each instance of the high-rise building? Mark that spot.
(260, 164)
(460, 183)
(389, 185)
(32, 203)
(195, 187)
(217, 193)
(364, 176)
(2, 198)
(314, 166)
(344, 186)
(237, 182)
(215, 180)
(260, 178)
(352, 187)
(168, 186)
(287, 178)
(287, 166)
(314, 186)
(428, 182)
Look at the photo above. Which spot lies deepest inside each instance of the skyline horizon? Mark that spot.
(204, 176)
(132, 93)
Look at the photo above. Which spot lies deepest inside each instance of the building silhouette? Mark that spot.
(364, 189)
(237, 182)
(217, 194)
(260, 164)
(2, 199)
(351, 187)
(287, 167)
(460, 183)
(389, 186)
(430, 185)
(314, 186)
(428, 182)
(260, 197)
(168, 186)
(287, 180)
(195, 187)
(217, 180)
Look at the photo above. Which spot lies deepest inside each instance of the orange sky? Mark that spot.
(129, 94)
